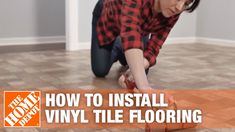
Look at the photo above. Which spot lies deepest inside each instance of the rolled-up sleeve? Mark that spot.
(157, 40)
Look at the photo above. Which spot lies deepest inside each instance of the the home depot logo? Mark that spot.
(22, 108)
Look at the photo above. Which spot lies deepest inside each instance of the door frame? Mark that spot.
(71, 24)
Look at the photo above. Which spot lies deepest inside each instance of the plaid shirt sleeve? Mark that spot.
(156, 41)
(130, 24)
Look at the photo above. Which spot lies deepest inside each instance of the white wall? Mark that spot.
(31, 19)
(216, 19)
(185, 27)
(85, 18)
(46, 18)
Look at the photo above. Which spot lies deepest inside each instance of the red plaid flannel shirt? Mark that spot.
(133, 19)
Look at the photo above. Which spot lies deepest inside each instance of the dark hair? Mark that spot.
(193, 6)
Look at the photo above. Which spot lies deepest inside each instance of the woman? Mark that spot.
(132, 31)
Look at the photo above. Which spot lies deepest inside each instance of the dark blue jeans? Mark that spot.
(103, 57)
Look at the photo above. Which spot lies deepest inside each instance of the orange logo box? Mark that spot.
(22, 108)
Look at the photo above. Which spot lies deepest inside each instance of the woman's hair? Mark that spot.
(193, 6)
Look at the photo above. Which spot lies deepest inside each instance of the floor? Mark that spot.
(178, 66)
(184, 66)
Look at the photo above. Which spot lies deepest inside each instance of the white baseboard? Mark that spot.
(87, 45)
(201, 40)
(213, 41)
(31, 40)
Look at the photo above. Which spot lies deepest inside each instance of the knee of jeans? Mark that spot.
(100, 71)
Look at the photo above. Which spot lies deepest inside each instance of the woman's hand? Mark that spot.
(128, 73)
(127, 76)
(135, 61)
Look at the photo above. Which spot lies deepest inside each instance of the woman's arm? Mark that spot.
(137, 66)
(132, 41)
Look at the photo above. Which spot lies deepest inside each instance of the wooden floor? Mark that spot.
(189, 66)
